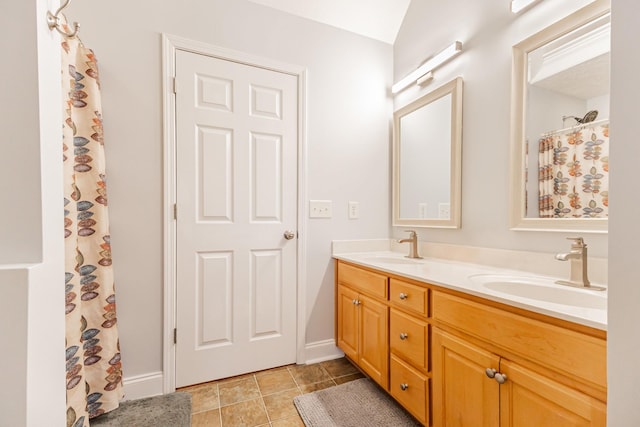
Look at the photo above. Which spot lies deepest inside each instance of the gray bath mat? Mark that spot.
(353, 404)
(169, 410)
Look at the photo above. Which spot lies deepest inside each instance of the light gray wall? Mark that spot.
(623, 351)
(348, 128)
(20, 216)
(487, 30)
(31, 218)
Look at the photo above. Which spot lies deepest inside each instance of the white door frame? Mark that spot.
(170, 44)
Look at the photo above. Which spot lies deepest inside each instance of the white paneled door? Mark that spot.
(236, 157)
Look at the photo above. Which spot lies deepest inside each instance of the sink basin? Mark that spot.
(391, 260)
(541, 289)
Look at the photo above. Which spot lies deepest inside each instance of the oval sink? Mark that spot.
(541, 289)
(391, 260)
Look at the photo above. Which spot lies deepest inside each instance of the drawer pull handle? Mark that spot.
(403, 296)
(403, 336)
(501, 378)
(404, 387)
(491, 373)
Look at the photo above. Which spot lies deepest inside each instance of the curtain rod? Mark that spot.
(576, 127)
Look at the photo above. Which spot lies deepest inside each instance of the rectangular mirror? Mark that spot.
(427, 142)
(560, 125)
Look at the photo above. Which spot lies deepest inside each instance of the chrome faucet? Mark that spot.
(578, 257)
(413, 248)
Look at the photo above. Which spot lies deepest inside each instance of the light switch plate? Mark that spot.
(422, 210)
(354, 210)
(444, 211)
(320, 209)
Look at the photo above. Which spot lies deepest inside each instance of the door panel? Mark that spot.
(529, 399)
(236, 193)
(348, 322)
(463, 396)
(374, 339)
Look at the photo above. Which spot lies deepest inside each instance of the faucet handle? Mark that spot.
(578, 242)
(412, 233)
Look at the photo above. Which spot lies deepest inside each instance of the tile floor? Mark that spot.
(264, 398)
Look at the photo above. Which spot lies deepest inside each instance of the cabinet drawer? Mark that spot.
(409, 338)
(366, 281)
(411, 389)
(409, 297)
(566, 351)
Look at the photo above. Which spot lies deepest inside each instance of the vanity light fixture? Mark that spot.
(423, 73)
(518, 5)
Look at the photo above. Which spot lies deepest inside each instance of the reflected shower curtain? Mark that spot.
(94, 371)
(573, 172)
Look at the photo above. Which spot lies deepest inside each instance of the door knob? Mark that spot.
(403, 336)
(403, 296)
(289, 234)
(501, 378)
(491, 373)
(404, 386)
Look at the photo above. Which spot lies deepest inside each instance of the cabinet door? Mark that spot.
(374, 339)
(348, 322)
(528, 399)
(463, 395)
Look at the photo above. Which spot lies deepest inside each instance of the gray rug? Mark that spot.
(169, 410)
(353, 404)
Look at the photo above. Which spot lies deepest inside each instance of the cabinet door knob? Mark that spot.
(404, 386)
(357, 302)
(404, 336)
(491, 373)
(403, 296)
(501, 378)
(353, 302)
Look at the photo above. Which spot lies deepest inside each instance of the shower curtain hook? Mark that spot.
(53, 20)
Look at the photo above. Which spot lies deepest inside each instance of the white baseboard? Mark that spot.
(151, 384)
(145, 385)
(320, 351)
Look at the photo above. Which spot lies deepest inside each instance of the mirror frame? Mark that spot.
(517, 216)
(454, 87)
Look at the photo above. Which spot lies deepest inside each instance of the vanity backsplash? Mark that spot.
(540, 263)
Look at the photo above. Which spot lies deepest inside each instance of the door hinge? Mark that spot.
(175, 85)
(175, 211)
(175, 335)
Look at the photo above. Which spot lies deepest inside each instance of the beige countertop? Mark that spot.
(583, 306)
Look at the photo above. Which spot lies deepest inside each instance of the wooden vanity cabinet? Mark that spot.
(362, 326)
(434, 349)
(493, 367)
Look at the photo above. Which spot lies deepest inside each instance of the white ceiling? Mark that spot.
(376, 19)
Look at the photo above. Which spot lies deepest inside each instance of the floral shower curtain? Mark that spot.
(573, 172)
(94, 371)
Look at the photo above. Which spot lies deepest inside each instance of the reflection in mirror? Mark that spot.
(427, 139)
(561, 143)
